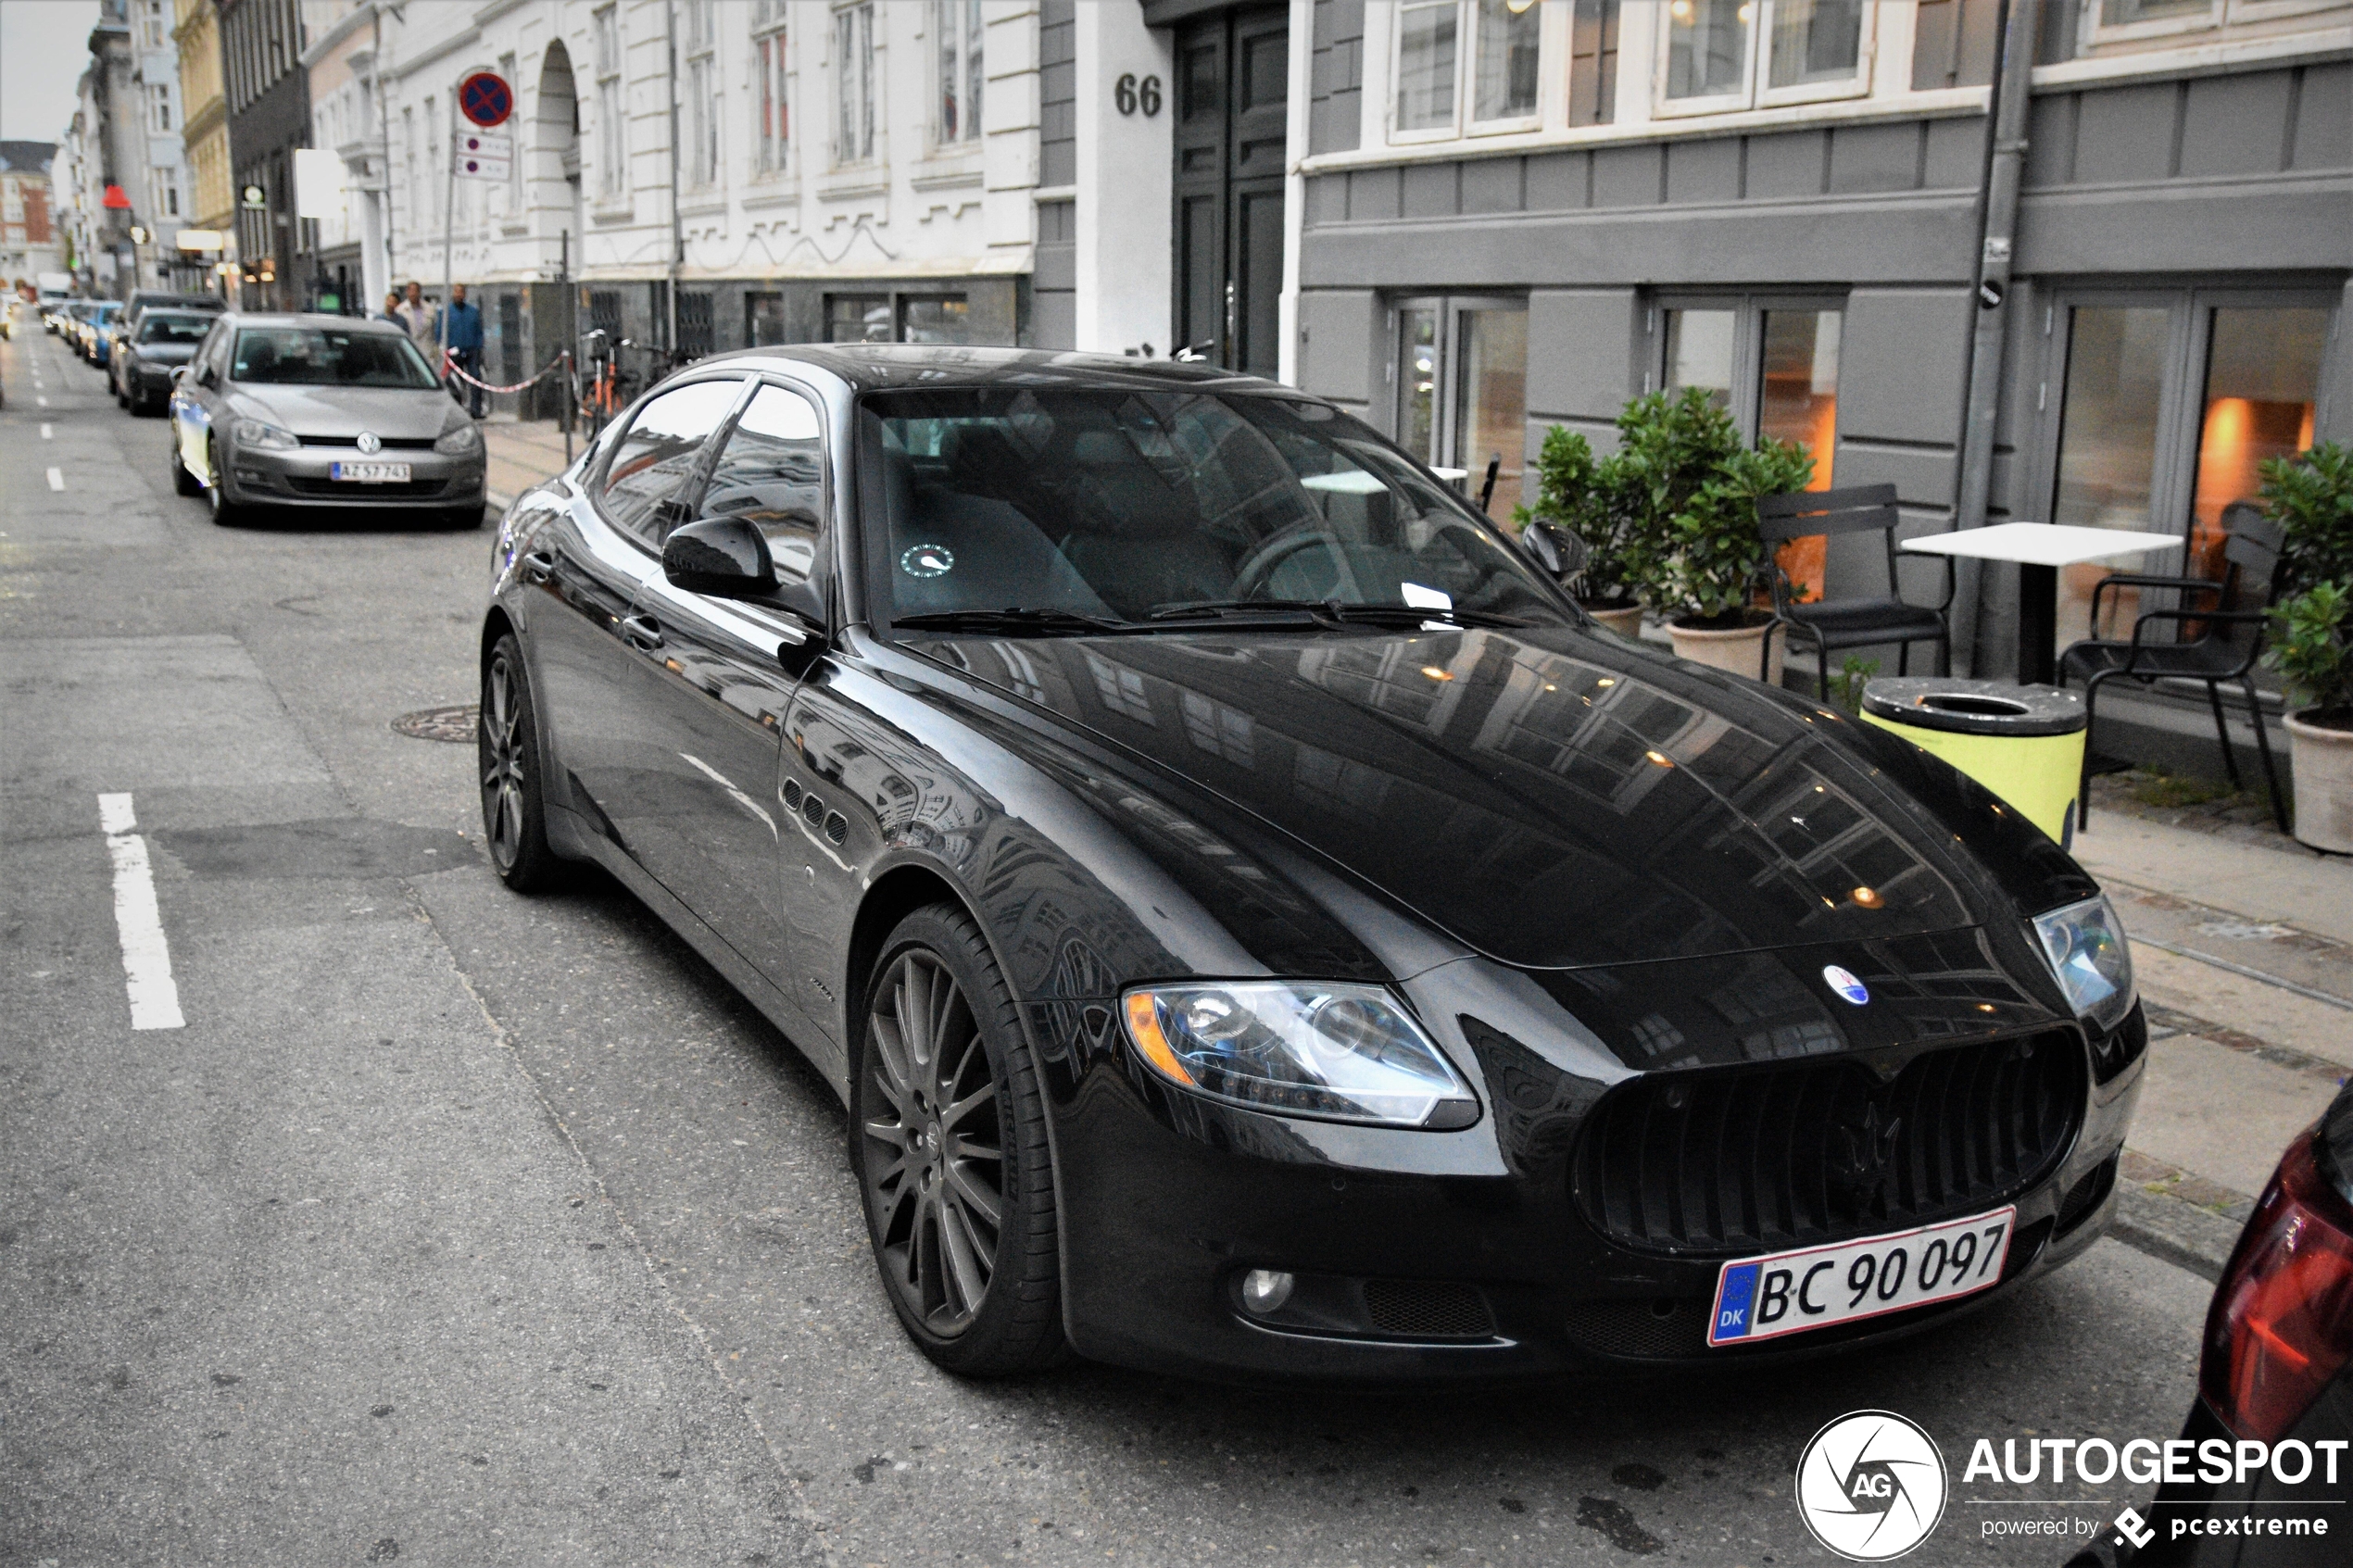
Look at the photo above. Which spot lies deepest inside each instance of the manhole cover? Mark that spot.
(453, 724)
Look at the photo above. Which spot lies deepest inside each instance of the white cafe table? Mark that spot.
(2039, 549)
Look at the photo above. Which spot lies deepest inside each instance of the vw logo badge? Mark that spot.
(1871, 1485)
(1845, 984)
(370, 442)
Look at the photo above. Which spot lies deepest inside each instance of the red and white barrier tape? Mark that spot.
(449, 364)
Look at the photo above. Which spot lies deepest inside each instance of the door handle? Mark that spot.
(538, 566)
(642, 630)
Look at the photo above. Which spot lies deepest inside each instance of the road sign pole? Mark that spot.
(448, 244)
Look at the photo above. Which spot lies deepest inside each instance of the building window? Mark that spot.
(854, 82)
(940, 318)
(702, 94)
(1462, 381)
(888, 318)
(612, 130)
(957, 24)
(763, 318)
(2167, 404)
(1497, 78)
(770, 103)
(1772, 364)
(1743, 54)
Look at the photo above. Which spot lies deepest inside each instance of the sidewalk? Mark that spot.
(522, 452)
(2243, 947)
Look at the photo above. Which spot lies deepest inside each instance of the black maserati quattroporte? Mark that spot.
(1257, 923)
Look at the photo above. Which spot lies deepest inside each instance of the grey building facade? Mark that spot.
(268, 97)
(1518, 218)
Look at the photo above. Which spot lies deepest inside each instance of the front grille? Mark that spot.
(347, 490)
(1428, 1309)
(390, 442)
(1750, 1160)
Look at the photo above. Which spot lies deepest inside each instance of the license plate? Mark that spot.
(371, 473)
(1791, 1292)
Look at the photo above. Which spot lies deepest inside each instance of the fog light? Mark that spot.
(1265, 1290)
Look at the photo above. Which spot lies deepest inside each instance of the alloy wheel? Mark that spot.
(501, 757)
(934, 1157)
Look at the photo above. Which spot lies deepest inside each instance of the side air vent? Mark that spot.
(792, 794)
(837, 827)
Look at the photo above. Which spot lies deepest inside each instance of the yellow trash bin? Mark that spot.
(2023, 743)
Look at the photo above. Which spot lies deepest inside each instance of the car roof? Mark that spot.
(879, 366)
(309, 319)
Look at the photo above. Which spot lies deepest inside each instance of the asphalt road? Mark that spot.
(460, 1228)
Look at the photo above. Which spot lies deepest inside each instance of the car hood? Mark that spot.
(164, 353)
(346, 410)
(1555, 799)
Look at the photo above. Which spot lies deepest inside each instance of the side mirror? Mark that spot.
(1559, 552)
(723, 556)
(179, 374)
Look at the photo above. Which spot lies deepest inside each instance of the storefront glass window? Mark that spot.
(2107, 440)
(1492, 401)
(764, 318)
(2262, 375)
(1699, 352)
(1816, 40)
(1508, 31)
(1798, 398)
(857, 318)
(1707, 47)
(1426, 66)
(1417, 422)
(944, 318)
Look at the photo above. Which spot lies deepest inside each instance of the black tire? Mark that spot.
(225, 512)
(515, 810)
(182, 481)
(939, 1031)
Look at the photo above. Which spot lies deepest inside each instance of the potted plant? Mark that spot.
(1713, 560)
(2311, 496)
(2312, 650)
(1583, 495)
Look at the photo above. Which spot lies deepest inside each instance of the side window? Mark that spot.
(659, 452)
(772, 474)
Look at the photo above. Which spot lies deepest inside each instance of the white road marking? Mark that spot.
(56, 479)
(41, 403)
(146, 957)
(45, 432)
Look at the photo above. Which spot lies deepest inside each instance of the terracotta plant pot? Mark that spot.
(2320, 762)
(1735, 650)
(1624, 620)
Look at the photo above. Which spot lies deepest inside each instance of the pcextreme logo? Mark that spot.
(1871, 1485)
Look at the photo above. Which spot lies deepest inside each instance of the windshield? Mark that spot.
(327, 357)
(173, 329)
(1126, 505)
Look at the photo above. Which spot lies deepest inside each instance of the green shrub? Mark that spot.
(1715, 559)
(2312, 649)
(1669, 448)
(2312, 497)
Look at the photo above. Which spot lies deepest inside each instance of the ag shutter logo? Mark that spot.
(1871, 1485)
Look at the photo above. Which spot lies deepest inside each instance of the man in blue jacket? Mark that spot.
(462, 323)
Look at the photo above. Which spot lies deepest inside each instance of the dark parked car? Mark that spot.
(2277, 1370)
(124, 327)
(146, 352)
(277, 411)
(1257, 923)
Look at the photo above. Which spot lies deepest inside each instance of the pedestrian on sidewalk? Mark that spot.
(391, 312)
(417, 317)
(462, 335)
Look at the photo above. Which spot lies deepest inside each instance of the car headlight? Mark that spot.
(1345, 1053)
(2085, 944)
(261, 433)
(459, 441)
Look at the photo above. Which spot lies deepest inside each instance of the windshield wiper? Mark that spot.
(1013, 619)
(1333, 613)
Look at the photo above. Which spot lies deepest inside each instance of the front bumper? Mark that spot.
(1167, 1199)
(304, 477)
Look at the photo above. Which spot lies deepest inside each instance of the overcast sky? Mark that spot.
(44, 46)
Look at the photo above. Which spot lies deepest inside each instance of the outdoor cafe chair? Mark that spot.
(1832, 624)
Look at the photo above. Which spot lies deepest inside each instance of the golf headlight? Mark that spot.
(459, 441)
(2085, 944)
(261, 433)
(1345, 1053)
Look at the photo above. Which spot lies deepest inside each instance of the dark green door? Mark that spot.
(1233, 71)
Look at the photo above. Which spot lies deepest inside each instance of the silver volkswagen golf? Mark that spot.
(298, 411)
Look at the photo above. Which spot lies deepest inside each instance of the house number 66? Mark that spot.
(1128, 95)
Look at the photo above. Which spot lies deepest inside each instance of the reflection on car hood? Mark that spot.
(1552, 798)
(164, 353)
(347, 410)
